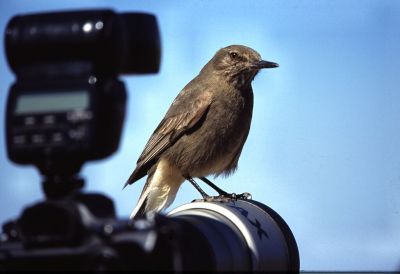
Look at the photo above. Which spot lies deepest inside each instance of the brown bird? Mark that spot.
(204, 130)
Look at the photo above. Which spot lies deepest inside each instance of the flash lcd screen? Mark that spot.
(52, 102)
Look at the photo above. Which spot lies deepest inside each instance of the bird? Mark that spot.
(203, 132)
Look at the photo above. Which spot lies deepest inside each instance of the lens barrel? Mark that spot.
(244, 235)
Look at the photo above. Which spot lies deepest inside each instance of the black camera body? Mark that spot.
(66, 107)
(83, 234)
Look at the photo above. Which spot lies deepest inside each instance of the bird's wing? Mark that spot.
(168, 132)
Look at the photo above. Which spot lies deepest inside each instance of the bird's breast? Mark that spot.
(213, 147)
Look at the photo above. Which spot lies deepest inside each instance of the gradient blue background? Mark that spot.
(323, 150)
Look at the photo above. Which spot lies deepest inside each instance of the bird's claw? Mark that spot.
(223, 195)
(234, 196)
(245, 196)
(227, 197)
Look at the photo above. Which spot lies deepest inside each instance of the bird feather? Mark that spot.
(167, 133)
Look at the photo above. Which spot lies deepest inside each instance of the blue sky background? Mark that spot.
(323, 150)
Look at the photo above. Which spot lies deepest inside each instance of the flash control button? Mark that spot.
(78, 133)
(38, 139)
(57, 137)
(49, 119)
(29, 121)
(19, 140)
(79, 116)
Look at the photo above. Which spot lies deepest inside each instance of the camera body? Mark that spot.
(66, 107)
(83, 234)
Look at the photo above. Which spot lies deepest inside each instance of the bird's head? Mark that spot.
(239, 64)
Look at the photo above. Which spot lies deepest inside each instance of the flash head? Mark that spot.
(109, 42)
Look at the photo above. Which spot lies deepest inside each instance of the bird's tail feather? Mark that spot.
(144, 205)
(140, 210)
(151, 200)
(159, 191)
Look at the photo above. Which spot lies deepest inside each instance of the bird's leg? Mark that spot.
(196, 186)
(224, 194)
(213, 186)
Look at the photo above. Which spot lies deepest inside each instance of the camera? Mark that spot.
(67, 107)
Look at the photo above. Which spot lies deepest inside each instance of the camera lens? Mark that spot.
(244, 235)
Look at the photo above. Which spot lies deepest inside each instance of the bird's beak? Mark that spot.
(264, 64)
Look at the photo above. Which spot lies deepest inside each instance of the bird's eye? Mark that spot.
(233, 55)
